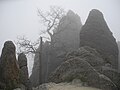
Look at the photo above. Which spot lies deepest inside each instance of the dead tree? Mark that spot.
(26, 46)
(51, 20)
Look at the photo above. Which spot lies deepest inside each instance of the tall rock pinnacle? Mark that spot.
(96, 34)
(9, 71)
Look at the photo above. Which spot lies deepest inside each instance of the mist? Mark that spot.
(20, 17)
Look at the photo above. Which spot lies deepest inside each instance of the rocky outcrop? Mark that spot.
(24, 77)
(89, 54)
(65, 38)
(96, 34)
(83, 64)
(9, 71)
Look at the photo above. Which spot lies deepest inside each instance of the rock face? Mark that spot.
(113, 74)
(68, 30)
(34, 78)
(22, 61)
(83, 64)
(96, 34)
(119, 55)
(9, 71)
(66, 38)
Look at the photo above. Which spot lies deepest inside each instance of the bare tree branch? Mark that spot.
(51, 19)
(26, 46)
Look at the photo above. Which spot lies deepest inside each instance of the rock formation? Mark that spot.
(66, 38)
(83, 64)
(119, 56)
(9, 71)
(24, 77)
(96, 34)
(111, 73)
(34, 78)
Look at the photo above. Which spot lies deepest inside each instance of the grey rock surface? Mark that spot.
(24, 77)
(22, 60)
(68, 30)
(81, 65)
(9, 71)
(96, 34)
(118, 43)
(111, 73)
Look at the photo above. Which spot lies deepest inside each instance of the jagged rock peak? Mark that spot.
(96, 18)
(96, 34)
(73, 16)
(94, 15)
(96, 12)
(70, 13)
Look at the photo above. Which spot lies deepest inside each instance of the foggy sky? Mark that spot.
(19, 17)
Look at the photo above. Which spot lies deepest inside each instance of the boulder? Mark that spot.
(89, 54)
(111, 73)
(81, 65)
(9, 71)
(96, 34)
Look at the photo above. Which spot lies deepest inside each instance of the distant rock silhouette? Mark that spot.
(24, 77)
(65, 38)
(96, 34)
(9, 71)
(68, 30)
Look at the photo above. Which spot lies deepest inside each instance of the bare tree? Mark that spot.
(26, 46)
(51, 20)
